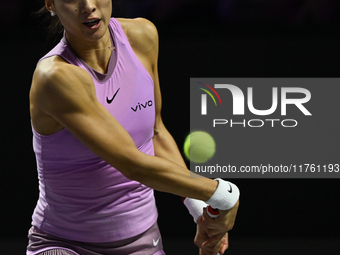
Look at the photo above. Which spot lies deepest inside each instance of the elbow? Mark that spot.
(139, 177)
(132, 175)
(133, 166)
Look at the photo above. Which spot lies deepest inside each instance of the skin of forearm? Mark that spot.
(167, 176)
(166, 147)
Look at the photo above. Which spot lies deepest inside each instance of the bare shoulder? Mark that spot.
(53, 76)
(54, 69)
(58, 86)
(141, 33)
(58, 89)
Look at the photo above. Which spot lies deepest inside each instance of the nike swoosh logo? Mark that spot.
(231, 189)
(155, 242)
(109, 101)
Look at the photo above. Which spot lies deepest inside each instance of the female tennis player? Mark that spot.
(101, 146)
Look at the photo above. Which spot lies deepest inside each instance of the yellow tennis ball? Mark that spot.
(199, 146)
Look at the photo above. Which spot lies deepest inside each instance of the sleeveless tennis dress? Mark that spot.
(85, 205)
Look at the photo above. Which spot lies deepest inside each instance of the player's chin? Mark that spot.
(95, 35)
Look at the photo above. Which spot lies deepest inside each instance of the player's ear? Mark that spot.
(49, 5)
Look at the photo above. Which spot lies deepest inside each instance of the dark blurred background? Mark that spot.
(198, 38)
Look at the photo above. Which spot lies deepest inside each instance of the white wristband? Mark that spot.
(225, 196)
(195, 207)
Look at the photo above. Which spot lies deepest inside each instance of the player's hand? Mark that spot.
(215, 243)
(222, 224)
(210, 245)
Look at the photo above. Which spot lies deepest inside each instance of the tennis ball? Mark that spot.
(199, 146)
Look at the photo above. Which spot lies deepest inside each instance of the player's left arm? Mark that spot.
(143, 37)
(164, 144)
(166, 147)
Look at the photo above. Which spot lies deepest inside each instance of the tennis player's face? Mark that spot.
(83, 19)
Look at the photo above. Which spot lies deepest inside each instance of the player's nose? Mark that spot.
(88, 6)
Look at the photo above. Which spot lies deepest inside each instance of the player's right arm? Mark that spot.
(63, 96)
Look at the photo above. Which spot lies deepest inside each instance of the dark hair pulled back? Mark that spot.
(55, 27)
